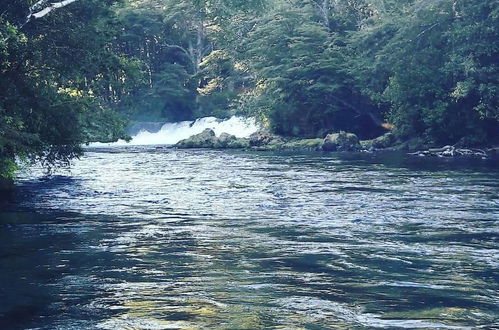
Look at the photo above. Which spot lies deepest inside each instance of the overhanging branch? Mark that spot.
(43, 8)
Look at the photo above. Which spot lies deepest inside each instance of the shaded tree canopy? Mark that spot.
(74, 71)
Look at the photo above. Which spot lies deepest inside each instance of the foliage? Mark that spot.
(429, 68)
(175, 41)
(304, 68)
(50, 69)
(434, 65)
(300, 67)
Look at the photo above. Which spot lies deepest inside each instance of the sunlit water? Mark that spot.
(160, 238)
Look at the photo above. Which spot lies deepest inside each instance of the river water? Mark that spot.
(157, 238)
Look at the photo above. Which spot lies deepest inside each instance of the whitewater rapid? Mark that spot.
(172, 133)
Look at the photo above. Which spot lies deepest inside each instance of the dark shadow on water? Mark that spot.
(55, 272)
(35, 263)
(27, 190)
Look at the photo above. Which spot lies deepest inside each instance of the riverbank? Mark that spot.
(342, 141)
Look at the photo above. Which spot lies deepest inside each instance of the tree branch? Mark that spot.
(39, 9)
(37, 6)
(182, 49)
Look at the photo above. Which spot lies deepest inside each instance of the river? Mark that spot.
(158, 238)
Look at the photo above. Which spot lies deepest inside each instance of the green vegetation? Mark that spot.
(54, 74)
(429, 68)
(305, 68)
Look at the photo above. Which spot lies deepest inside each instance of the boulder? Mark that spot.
(224, 140)
(341, 141)
(238, 144)
(304, 144)
(228, 141)
(205, 139)
(208, 139)
(381, 142)
(412, 144)
(384, 141)
(263, 137)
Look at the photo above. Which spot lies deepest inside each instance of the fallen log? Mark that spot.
(451, 151)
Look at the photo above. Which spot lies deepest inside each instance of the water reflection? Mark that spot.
(161, 238)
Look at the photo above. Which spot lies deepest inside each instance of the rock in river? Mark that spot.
(205, 139)
(228, 141)
(208, 139)
(341, 141)
(264, 137)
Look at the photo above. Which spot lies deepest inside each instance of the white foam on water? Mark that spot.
(172, 133)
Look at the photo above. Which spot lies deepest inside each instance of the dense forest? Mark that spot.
(77, 72)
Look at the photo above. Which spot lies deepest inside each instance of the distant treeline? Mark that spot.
(426, 69)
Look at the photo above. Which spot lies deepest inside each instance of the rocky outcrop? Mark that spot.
(228, 141)
(304, 144)
(264, 137)
(291, 144)
(382, 142)
(208, 139)
(265, 141)
(341, 141)
(205, 139)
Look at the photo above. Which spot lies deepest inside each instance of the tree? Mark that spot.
(48, 107)
(433, 64)
(303, 86)
(174, 41)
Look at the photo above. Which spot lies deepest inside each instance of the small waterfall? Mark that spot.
(172, 133)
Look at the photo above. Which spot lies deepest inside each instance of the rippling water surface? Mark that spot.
(160, 238)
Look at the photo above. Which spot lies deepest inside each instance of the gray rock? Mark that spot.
(208, 139)
(238, 144)
(224, 140)
(205, 139)
(263, 137)
(228, 141)
(341, 141)
(384, 141)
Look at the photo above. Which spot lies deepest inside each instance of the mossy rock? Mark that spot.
(304, 144)
(205, 139)
(413, 144)
(294, 144)
(341, 141)
(382, 142)
(238, 144)
(228, 141)
(208, 139)
(264, 137)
